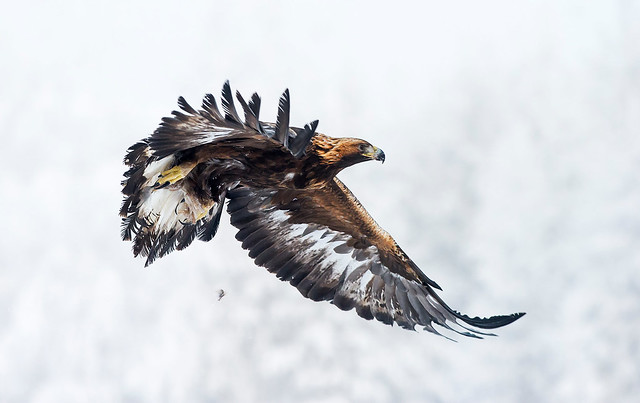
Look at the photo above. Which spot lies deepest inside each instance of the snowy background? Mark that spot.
(512, 135)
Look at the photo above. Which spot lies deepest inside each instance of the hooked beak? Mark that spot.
(378, 154)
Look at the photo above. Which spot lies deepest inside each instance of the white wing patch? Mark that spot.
(317, 241)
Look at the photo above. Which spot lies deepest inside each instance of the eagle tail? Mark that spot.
(163, 210)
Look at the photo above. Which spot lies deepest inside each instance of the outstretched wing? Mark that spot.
(325, 244)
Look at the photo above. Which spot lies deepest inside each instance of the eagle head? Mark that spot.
(370, 152)
(347, 151)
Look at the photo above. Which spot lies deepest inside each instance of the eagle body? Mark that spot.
(293, 215)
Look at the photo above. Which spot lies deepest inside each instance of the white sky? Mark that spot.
(511, 136)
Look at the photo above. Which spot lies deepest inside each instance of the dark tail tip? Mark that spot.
(492, 322)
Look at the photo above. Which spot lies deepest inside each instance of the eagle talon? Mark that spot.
(173, 175)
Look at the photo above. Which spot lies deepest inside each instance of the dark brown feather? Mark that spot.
(227, 104)
(282, 121)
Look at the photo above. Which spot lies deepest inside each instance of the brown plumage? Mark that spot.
(292, 213)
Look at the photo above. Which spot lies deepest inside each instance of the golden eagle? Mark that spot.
(292, 213)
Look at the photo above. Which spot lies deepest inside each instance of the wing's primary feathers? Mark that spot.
(293, 215)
